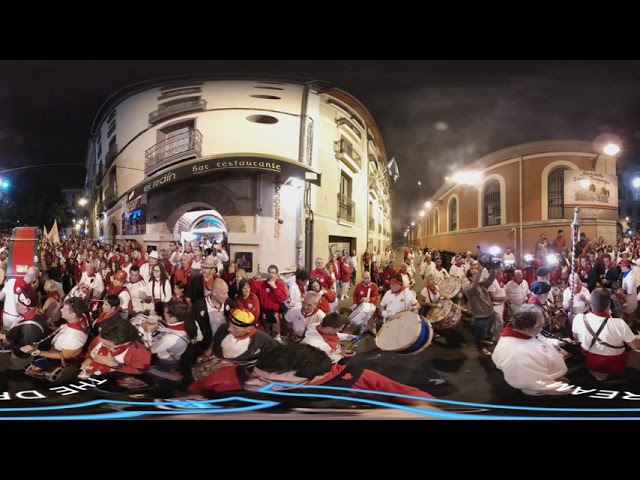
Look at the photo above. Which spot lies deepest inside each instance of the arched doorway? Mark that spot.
(196, 224)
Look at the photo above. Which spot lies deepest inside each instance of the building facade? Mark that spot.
(282, 170)
(518, 194)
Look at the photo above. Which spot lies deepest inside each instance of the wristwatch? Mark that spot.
(35, 353)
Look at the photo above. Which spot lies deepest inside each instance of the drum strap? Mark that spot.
(595, 335)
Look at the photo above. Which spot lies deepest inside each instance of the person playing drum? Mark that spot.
(397, 299)
(430, 294)
(530, 361)
(327, 335)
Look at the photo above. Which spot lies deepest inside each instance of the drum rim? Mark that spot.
(414, 340)
(445, 300)
(450, 279)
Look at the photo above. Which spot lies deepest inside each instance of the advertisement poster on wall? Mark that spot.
(244, 260)
(589, 189)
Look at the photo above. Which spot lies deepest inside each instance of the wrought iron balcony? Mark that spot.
(345, 152)
(177, 109)
(99, 208)
(346, 208)
(173, 150)
(111, 154)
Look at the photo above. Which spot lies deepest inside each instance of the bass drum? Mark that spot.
(406, 332)
(450, 287)
(444, 314)
(362, 314)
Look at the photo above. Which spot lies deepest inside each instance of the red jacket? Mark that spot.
(345, 272)
(137, 358)
(269, 299)
(360, 292)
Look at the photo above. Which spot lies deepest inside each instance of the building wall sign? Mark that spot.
(198, 168)
(276, 208)
(586, 188)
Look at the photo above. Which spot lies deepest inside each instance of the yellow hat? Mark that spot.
(242, 318)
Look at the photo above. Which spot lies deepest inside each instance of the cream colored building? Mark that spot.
(518, 194)
(283, 170)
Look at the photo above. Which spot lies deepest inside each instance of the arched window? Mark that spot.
(453, 214)
(491, 206)
(436, 222)
(555, 193)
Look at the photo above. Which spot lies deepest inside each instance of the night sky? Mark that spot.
(435, 115)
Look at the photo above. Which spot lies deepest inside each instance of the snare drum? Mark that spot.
(407, 332)
(444, 314)
(362, 314)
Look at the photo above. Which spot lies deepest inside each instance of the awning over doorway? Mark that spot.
(200, 167)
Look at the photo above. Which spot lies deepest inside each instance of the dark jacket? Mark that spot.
(258, 343)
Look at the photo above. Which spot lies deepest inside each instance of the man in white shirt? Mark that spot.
(12, 289)
(508, 258)
(92, 278)
(517, 292)
(137, 288)
(329, 330)
(299, 318)
(529, 361)
(457, 268)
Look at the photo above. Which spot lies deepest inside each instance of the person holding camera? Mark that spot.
(480, 304)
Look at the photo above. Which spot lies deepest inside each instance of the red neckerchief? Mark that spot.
(439, 268)
(91, 275)
(584, 271)
(176, 326)
(432, 288)
(82, 325)
(576, 289)
(208, 283)
(602, 314)
(19, 286)
(246, 335)
(401, 289)
(507, 331)
(330, 338)
(104, 351)
(29, 315)
(315, 310)
(114, 290)
(302, 290)
(55, 296)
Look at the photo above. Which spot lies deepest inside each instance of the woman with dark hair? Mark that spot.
(168, 339)
(323, 302)
(116, 349)
(158, 287)
(247, 300)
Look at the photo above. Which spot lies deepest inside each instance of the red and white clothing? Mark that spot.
(135, 289)
(323, 276)
(363, 291)
(126, 305)
(296, 294)
(250, 303)
(298, 322)
(226, 379)
(529, 363)
(393, 303)
(580, 300)
(71, 336)
(517, 294)
(159, 291)
(96, 283)
(439, 274)
(431, 294)
(168, 343)
(328, 343)
(611, 358)
(269, 298)
(134, 357)
(12, 289)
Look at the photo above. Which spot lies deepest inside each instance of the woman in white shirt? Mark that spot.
(158, 286)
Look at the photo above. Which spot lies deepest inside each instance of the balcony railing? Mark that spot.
(111, 154)
(179, 108)
(348, 123)
(346, 208)
(111, 194)
(345, 151)
(99, 208)
(172, 150)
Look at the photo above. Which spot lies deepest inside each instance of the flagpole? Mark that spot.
(575, 233)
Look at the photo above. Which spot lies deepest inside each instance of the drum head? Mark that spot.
(450, 287)
(399, 332)
(440, 310)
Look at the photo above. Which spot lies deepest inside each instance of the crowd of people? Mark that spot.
(89, 308)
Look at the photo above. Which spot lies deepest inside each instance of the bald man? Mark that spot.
(12, 289)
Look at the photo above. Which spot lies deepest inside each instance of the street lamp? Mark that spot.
(82, 202)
